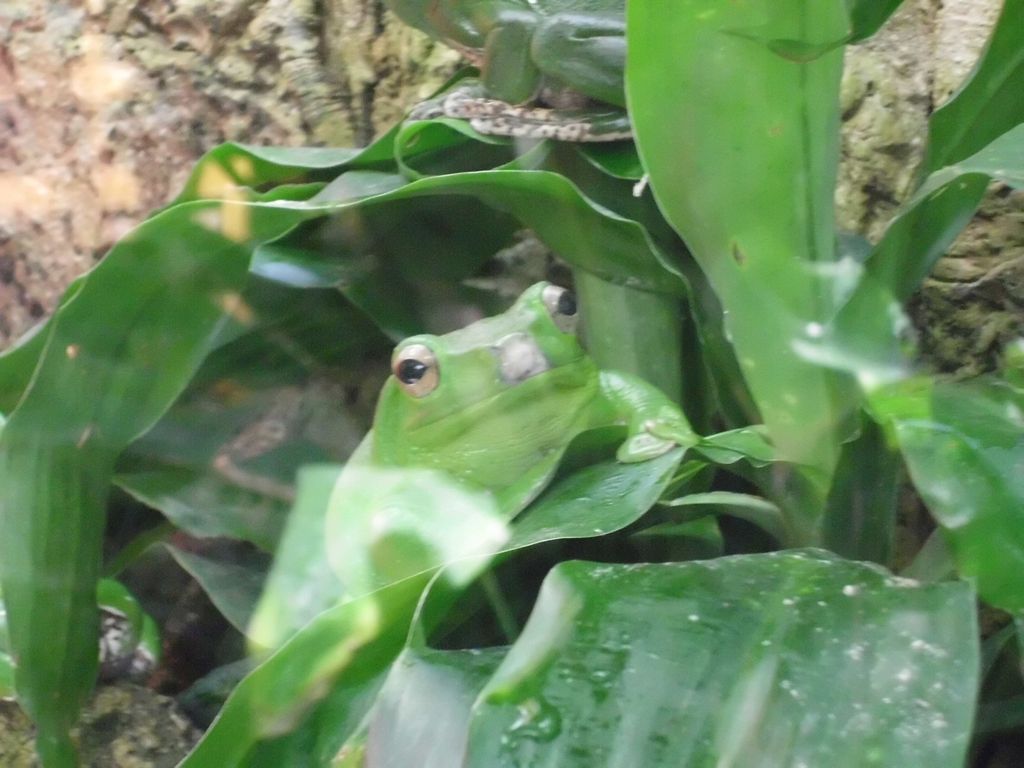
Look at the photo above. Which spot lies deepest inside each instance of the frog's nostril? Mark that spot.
(519, 358)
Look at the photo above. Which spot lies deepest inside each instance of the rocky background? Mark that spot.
(106, 104)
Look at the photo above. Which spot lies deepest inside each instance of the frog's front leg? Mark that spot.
(655, 423)
(584, 51)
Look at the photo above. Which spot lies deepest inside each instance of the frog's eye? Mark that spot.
(415, 367)
(561, 305)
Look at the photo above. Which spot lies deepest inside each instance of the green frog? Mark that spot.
(492, 407)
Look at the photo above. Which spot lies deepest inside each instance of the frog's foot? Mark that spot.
(497, 118)
(655, 437)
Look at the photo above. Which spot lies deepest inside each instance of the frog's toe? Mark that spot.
(642, 447)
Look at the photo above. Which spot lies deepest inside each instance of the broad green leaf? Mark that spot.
(204, 506)
(18, 362)
(231, 576)
(595, 500)
(334, 657)
(699, 539)
(584, 233)
(750, 443)
(938, 212)
(607, 498)
(274, 396)
(917, 237)
(747, 180)
(1001, 160)
(362, 529)
(795, 658)
(866, 336)
(445, 145)
(1001, 715)
(989, 103)
(231, 166)
(301, 584)
(327, 727)
(421, 716)
(371, 242)
(633, 331)
(399, 260)
(963, 446)
(933, 561)
(761, 512)
(386, 525)
(344, 647)
(113, 361)
(370, 527)
(866, 16)
(860, 516)
(616, 158)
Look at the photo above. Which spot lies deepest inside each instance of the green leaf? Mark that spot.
(749, 443)
(335, 657)
(422, 680)
(866, 336)
(232, 577)
(402, 529)
(445, 145)
(962, 445)
(1001, 160)
(18, 362)
(398, 259)
(753, 660)
(270, 399)
(198, 503)
(231, 166)
(920, 234)
(860, 516)
(584, 233)
(761, 512)
(595, 500)
(616, 158)
(989, 103)
(938, 212)
(385, 525)
(765, 240)
(113, 361)
(699, 539)
(608, 497)
(632, 331)
(866, 16)
(301, 584)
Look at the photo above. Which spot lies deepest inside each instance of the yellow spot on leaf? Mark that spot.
(232, 304)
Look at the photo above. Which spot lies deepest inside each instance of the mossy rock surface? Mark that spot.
(124, 726)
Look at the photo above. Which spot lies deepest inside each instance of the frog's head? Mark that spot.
(521, 376)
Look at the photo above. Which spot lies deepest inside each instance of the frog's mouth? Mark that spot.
(519, 358)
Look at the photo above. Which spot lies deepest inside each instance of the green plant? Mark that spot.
(803, 391)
